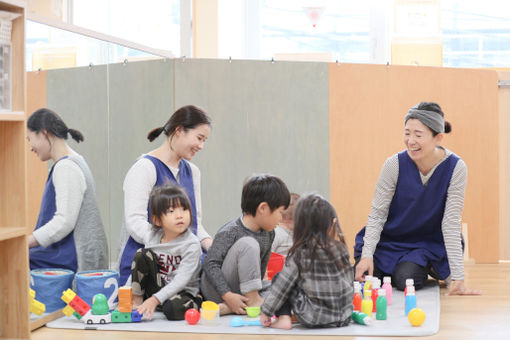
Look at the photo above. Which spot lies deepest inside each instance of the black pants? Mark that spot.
(403, 271)
(145, 270)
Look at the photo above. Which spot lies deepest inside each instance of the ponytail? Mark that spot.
(76, 135)
(154, 133)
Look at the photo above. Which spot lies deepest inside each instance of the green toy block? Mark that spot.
(118, 317)
(78, 316)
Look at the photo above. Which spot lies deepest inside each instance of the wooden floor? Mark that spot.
(462, 317)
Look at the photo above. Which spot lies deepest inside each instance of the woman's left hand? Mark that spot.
(32, 242)
(457, 287)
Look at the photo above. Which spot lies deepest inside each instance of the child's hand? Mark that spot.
(148, 307)
(265, 320)
(235, 302)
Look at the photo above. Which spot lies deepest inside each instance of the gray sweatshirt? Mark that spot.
(179, 262)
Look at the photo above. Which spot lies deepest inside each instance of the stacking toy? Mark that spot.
(388, 288)
(361, 318)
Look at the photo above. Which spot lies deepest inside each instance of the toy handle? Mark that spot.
(253, 323)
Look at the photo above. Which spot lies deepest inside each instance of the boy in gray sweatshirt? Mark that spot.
(236, 262)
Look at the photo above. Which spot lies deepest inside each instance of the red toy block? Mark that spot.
(80, 306)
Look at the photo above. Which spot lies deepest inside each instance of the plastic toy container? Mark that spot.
(209, 314)
(92, 282)
(275, 264)
(48, 284)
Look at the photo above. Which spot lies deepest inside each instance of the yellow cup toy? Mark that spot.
(209, 313)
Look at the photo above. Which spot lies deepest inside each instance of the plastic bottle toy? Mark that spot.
(388, 288)
(409, 282)
(375, 293)
(382, 305)
(410, 299)
(361, 318)
(367, 303)
(356, 301)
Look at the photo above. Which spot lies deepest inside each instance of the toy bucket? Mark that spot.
(275, 264)
(209, 313)
(92, 282)
(48, 284)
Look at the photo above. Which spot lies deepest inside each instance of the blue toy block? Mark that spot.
(135, 316)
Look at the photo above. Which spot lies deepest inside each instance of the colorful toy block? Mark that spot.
(68, 295)
(118, 317)
(68, 311)
(135, 316)
(80, 306)
(36, 307)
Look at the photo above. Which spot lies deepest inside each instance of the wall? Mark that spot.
(367, 107)
(504, 109)
(321, 127)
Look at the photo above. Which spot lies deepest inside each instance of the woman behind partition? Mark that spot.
(69, 232)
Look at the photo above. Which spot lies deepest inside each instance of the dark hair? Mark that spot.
(316, 226)
(288, 214)
(264, 188)
(431, 106)
(46, 119)
(168, 196)
(189, 117)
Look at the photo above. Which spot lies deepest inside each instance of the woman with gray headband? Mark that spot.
(413, 229)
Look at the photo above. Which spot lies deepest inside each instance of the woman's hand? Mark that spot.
(265, 320)
(364, 265)
(148, 307)
(457, 287)
(32, 242)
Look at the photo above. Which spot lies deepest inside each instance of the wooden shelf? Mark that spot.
(12, 232)
(12, 116)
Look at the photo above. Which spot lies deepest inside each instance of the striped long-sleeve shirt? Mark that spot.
(451, 223)
(321, 298)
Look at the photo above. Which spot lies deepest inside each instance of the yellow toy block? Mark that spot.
(68, 310)
(36, 307)
(68, 295)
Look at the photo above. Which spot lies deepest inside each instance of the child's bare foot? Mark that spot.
(282, 322)
(224, 309)
(137, 300)
(254, 299)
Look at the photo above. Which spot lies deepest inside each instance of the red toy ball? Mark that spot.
(192, 316)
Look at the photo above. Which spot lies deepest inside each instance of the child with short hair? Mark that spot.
(165, 274)
(285, 229)
(316, 281)
(236, 262)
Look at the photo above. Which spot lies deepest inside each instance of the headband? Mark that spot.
(432, 119)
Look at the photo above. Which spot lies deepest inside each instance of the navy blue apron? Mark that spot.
(412, 232)
(164, 176)
(61, 254)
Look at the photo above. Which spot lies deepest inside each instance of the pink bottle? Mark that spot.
(388, 288)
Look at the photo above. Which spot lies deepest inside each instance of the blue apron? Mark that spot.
(61, 254)
(412, 232)
(164, 176)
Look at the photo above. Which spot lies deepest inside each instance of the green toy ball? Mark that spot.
(100, 305)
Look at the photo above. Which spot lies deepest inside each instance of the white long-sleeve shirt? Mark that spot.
(138, 185)
(451, 223)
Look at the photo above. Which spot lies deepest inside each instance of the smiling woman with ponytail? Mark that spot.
(69, 232)
(185, 134)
